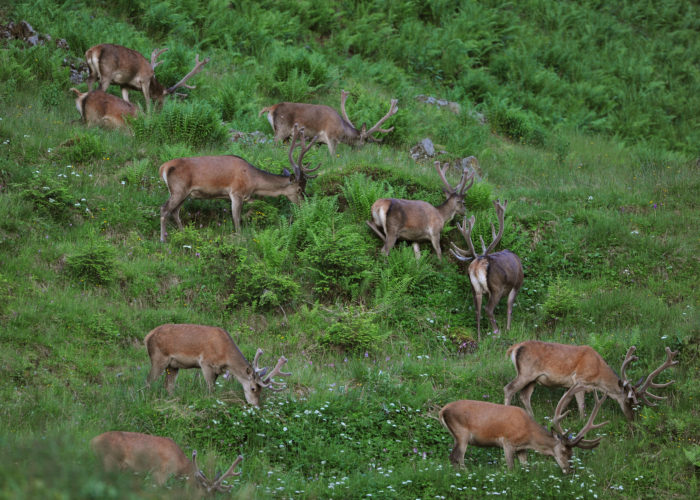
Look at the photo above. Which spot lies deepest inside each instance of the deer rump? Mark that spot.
(411, 217)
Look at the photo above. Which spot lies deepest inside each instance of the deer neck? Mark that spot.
(267, 184)
(237, 365)
(155, 89)
(449, 208)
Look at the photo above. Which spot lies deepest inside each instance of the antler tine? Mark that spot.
(344, 97)
(441, 172)
(629, 357)
(462, 187)
(563, 403)
(198, 474)
(500, 212)
(393, 109)
(198, 65)
(641, 389)
(276, 371)
(217, 484)
(590, 443)
(466, 230)
(256, 367)
(154, 57)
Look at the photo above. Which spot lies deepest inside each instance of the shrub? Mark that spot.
(561, 300)
(83, 148)
(294, 73)
(95, 264)
(137, 173)
(361, 192)
(515, 123)
(50, 198)
(354, 328)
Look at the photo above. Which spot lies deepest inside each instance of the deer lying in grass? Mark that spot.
(175, 346)
(562, 365)
(230, 177)
(495, 274)
(415, 220)
(127, 68)
(325, 122)
(489, 424)
(103, 109)
(158, 455)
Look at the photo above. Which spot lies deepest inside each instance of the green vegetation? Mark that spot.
(591, 132)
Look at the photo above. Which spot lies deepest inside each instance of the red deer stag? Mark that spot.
(563, 365)
(230, 177)
(495, 274)
(211, 349)
(138, 452)
(127, 68)
(103, 109)
(509, 427)
(325, 122)
(415, 220)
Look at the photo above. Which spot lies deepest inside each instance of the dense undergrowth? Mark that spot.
(589, 130)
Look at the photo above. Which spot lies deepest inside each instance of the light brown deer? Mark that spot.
(103, 109)
(325, 122)
(172, 347)
(563, 365)
(138, 452)
(495, 274)
(230, 177)
(127, 68)
(414, 220)
(492, 425)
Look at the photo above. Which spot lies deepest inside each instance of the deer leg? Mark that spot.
(389, 243)
(459, 449)
(581, 402)
(526, 394)
(509, 452)
(514, 386)
(209, 376)
(374, 228)
(104, 84)
(435, 240)
(490, 308)
(477, 308)
(236, 205)
(331, 146)
(416, 249)
(144, 89)
(158, 366)
(125, 94)
(170, 207)
(170, 377)
(522, 457)
(511, 301)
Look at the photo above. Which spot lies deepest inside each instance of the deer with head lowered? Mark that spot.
(127, 68)
(230, 177)
(414, 220)
(324, 122)
(172, 347)
(563, 365)
(138, 452)
(481, 423)
(100, 108)
(494, 274)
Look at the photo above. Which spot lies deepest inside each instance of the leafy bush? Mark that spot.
(50, 198)
(361, 192)
(95, 264)
(561, 300)
(479, 196)
(137, 173)
(83, 148)
(193, 123)
(515, 123)
(354, 328)
(294, 73)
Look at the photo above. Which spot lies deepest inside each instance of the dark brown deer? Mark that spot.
(230, 177)
(563, 365)
(495, 274)
(138, 452)
(492, 425)
(175, 346)
(325, 122)
(414, 220)
(127, 68)
(103, 109)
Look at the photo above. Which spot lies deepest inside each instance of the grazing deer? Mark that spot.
(563, 365)
(230, 177)
(495, 274)
(127, 68)
(509, 427)
(172, 347)
(325, 122)
(159, 455)
(415, 220)
(103, 109)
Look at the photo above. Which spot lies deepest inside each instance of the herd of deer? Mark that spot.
(171, 347)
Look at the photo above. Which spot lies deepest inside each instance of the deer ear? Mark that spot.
(286, 172)
(248, 370)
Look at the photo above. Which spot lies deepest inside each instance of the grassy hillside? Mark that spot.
(589, 129)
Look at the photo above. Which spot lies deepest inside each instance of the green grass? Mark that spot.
(592, 138)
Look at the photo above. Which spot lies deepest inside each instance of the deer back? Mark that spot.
(122, 65)
(100, 108)
(316, 119)
(562, 365)
(219, 176)
(488, 424)
(142, 453)
(191, 346)
(409, 219)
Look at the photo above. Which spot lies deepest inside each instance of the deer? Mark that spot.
(325, 122)
(172, 347)
(231, 177)
(416, 220)
(127, 68)
(563, 365)
(120, 450)
(509, 427)
(495, 274)
(100, 108)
